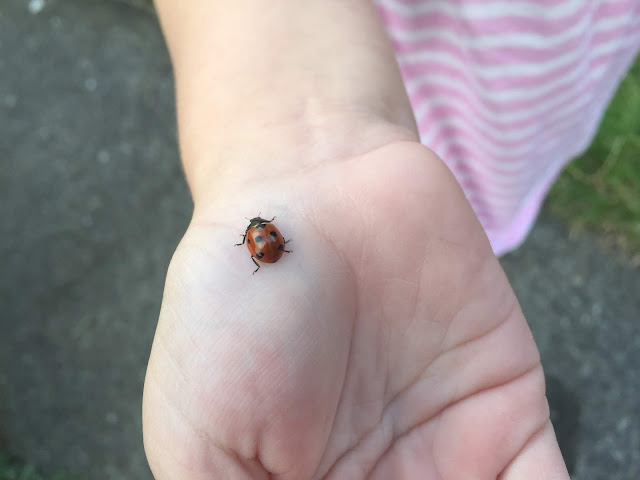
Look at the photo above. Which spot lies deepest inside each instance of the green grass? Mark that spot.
(15, 470)
(600, 191)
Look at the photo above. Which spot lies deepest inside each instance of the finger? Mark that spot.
(539, 459)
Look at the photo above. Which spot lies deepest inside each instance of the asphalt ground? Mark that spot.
(93, 202)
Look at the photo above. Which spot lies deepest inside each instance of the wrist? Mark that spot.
(249, 152)
(281, 86)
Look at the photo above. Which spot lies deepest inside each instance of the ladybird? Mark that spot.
(264, 241)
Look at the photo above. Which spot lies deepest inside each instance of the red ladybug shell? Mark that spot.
(265, 242)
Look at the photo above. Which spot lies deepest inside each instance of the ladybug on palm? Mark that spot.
(264, 241)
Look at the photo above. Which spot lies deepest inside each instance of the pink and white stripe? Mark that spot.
(507, 92)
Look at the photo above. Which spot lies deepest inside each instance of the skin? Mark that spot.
(390, 344)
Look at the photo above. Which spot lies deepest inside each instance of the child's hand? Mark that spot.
(388, 345)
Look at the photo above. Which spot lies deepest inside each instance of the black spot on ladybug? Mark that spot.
(260, 254)
(281, 247)
(258, 239)
(248, 240)
(273, 234)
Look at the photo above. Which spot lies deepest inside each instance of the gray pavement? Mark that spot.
(583, 306)
(93, 202)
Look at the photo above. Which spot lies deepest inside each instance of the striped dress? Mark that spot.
(506, 92)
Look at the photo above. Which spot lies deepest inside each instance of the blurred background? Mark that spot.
(93, 202)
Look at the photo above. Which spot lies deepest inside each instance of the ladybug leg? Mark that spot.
(285, 242)
(254, 261)
(264, 222)
(243, 239)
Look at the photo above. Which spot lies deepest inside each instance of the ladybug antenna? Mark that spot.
(254, 217)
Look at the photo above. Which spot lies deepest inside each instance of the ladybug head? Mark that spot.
(255, 221)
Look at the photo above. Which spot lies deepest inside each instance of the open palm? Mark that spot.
(387, 345)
